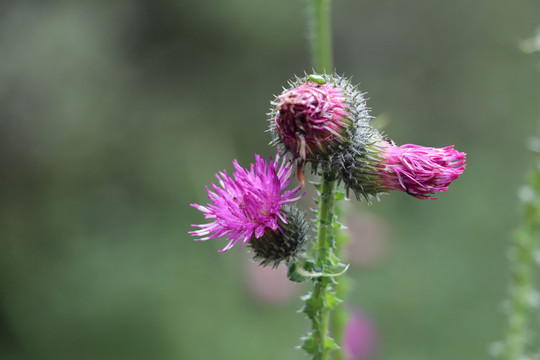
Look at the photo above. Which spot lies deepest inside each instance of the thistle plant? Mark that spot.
(316, 117)
(522, 255)
(320, 120)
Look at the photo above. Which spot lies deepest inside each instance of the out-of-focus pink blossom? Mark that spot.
(360, 338)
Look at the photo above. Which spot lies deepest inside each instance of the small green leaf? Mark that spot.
(309, 264)
(329, 343)
(314, 271)
(332, 300)
(311, 307)
(336, 270)
(293, 274)
(310, 345)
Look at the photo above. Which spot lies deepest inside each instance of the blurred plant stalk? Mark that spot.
(522, 255)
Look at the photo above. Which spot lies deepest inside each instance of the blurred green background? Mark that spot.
(115, 114)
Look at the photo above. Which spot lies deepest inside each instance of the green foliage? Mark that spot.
(330, 343)
(323, 270)
(293, 274)
(310, 345)
(331, 300)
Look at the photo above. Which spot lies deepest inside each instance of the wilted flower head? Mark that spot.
(315, 117)
(417, 170)
(250, 205)
(421, 171)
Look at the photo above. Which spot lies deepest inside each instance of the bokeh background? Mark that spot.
(115, 114)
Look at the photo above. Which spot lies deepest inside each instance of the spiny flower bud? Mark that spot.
(316, 117)
(310, 117)
(417, 170)
(282, 244)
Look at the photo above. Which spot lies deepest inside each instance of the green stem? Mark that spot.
(321, 52)
(324, 254)
(321, 38)
(325, 233)
(338, 317)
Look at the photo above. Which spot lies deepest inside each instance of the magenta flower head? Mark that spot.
(315, 116)
(417, 170)
(310, 117)
(253, 207)
(421, 171)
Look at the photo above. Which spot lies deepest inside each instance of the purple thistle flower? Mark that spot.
(309, 117)
(381, 166)
(421, 171)
(248, 205)
(317, 117)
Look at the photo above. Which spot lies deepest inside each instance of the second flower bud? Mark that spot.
(315, 117)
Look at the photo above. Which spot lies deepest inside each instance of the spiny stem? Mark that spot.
(338, 317)
(325, 233)
(321, 52)
(325, 241)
